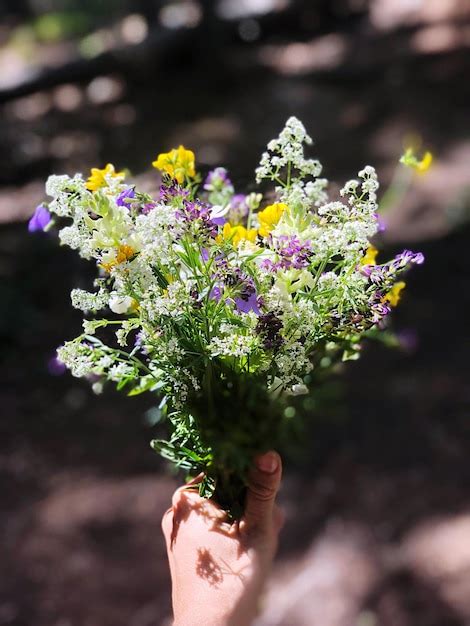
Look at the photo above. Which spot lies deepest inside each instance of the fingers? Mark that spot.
(192, 485)
(263, 485)
(279, 518)
(168, 516)
(167, 524)
(187, 505)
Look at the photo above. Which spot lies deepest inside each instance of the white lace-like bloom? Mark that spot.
(86, 301)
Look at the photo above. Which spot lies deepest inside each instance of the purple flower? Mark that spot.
(217, 180)
(140, 344)
(245, 305)
(239, 209)
(172, 191)
(247, 300)
(216, 293)
(218, 221)
(292, 252)
(406, 258)
(205, 254)
(40, 219)
(125, 196)
(194, 212)
(239, 200)
(381, 223)
(376, 273)
(384, 274)
(379, 310)
(149, 206)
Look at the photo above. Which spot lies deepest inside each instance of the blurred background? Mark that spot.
(378, 502)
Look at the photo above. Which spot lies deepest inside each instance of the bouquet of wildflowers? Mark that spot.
(223, 305)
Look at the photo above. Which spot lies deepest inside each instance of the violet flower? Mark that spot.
(247, 300)
(125, 196)
(217, 180)
(238, 209)
(40, 219)
(405, 258)
(216, 293)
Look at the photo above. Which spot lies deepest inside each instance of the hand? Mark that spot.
(218, 569)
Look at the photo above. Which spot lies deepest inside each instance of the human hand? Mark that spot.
(218, 569)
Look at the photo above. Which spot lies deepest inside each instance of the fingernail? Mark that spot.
(267, 462)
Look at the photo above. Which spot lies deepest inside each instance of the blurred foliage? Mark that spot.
(60, 20)
(59, 26)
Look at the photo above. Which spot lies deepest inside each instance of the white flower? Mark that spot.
(299, 389)
(218, 211)
(97, 388)
(86, 301)
(120, 304)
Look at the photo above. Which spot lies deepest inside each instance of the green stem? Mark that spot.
(397, 189)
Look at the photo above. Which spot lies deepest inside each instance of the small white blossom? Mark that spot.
(86, 301)
(120, 304)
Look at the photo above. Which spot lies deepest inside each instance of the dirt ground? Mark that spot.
(377, 501)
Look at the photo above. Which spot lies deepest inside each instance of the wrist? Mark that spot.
(201, 618)
(198, 620)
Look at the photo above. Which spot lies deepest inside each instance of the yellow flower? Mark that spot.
(97, 179)
(269, 217)
(237, 234)
(123, 253)
(421, 166)
(179, 163)
(370, 256)
(394, 295)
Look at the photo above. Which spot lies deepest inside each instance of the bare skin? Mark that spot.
(219, 569)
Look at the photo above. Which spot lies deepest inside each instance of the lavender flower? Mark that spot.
(238, 209)
(217, 180)
(379, 310)
(148, 207)
(405, 259)
(125, 197)
(293, 254)
(216, 293)
(387, 273)
(172, 191)
(40, 219)
(247, 300)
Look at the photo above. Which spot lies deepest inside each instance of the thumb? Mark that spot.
(263, 484)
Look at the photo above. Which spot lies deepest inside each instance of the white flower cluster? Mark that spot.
(287, 151)
(88, 301)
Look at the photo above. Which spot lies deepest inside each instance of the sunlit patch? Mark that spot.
(300, 58)
(134, 28)
(67, 97)
(104, 89)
